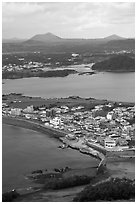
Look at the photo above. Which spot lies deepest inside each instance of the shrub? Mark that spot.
(10, 196)
(59, 183)
(114, 189)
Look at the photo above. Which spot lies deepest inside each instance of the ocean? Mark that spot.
(26, 150)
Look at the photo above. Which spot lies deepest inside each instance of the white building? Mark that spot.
(110, 115)
(16, 111)
(29, 109)
(27, 116)
(55, 121)
(109, 143)
(98, 107)
(75, 54)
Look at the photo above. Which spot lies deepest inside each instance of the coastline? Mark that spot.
(109, 172)
(54, 133)
(32, 126)
(88, 149)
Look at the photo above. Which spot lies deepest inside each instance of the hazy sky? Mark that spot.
(68, 20)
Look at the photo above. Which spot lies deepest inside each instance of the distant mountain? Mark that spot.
(48, 37)
(119, 63)
(50, 43)
(114, 37)
(13, 40)
(124, 44)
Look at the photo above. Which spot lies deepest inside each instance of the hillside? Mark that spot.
(118, 63)
(48, 37)
(50, 43)
(114, 37)
(13, 40)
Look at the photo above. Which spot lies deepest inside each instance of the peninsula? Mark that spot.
(120, 63)
(17, 74)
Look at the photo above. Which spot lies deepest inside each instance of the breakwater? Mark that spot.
(83, 148)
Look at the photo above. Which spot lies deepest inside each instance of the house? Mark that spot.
(109, 143)
(64, 109)
(16, 111)
(75, 54)
(110, 115)
(27, 116)
(55, 121)
(29, 109)
(50, 113)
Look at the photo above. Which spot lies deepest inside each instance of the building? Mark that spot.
(75, 54)
(50, 113)
(110, 116)
(29, 109)
(64, 109)
(16, 111)
(55, 121)
(109, 143)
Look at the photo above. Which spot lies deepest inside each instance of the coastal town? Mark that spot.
(68, 101)
(36, 62)
(110, 127)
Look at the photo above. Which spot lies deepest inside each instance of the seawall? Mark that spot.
(117, 155)
(33, 126)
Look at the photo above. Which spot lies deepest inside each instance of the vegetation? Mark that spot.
(71, 45)
(26, 74)
(114, 189)
(59, 183)
(117, 63)
(40, 57)
(10, 196)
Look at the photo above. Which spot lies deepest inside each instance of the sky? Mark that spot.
(68, 20)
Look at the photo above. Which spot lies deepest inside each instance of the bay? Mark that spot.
(26, 150)
(111, 86)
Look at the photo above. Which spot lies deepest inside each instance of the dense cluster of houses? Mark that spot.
(33, 66)
(113, 129)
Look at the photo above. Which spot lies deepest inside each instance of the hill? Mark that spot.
(126, 44)
(50, 43)
(115, 189)
(45, 38)
(117, 63)
(114, 37)
(13, 40)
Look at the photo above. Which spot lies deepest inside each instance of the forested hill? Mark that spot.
(118, 63)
